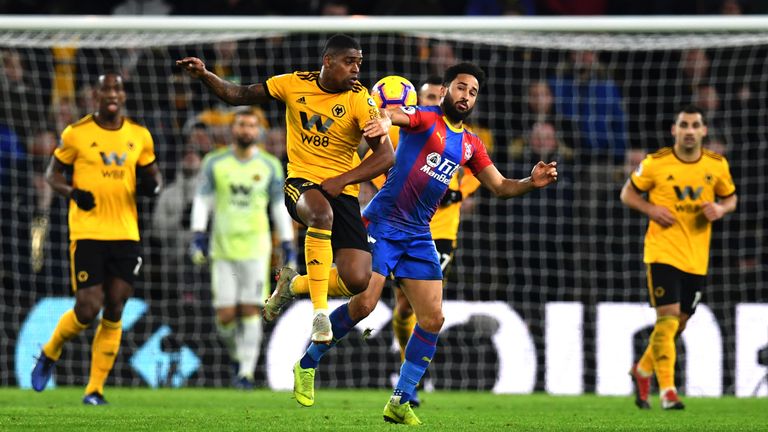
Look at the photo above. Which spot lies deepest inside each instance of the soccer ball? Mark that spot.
(394, 91)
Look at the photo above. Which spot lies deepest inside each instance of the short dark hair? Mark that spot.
(340, 42)
(432, 80)
(691, 109)
(464, 68)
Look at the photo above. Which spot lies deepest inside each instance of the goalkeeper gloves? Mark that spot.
(83, 199)
(451, 197)
(289, 253)
(198, 249)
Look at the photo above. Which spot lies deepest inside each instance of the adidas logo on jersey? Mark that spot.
(670, 178)
(314, 262)
(94, 145)
(301, 100)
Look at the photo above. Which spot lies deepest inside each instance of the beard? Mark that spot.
(453, 113)
(244, 142)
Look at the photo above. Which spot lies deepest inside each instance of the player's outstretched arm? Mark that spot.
(542, 175)
(632, 199)
(230, 93)
(382, 158)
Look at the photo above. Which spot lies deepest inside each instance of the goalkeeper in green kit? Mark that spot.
(240, 184)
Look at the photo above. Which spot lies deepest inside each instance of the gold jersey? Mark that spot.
(104, 163)
(682, 187)
(324, 128)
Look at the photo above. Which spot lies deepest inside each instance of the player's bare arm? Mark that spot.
(632, 199)
(230, 93)
(542, 175)
(716, 210)
(151, 179)
(55, 177)
(378, 163)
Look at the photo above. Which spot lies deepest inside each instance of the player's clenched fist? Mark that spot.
(83, 199)
(543, 174)
(193, 65)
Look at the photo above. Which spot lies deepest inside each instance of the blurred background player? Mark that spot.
(399, 233)
(688, 188)
(238, 184)
(326, 115)
(112, 159)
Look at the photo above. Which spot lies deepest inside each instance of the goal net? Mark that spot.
(546, 293)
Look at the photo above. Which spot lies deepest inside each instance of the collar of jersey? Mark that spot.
(325, 89)
(450, 126)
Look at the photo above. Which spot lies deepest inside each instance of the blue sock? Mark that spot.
(418, 354)
(341, 324)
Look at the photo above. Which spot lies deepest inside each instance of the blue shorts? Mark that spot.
(406, 256)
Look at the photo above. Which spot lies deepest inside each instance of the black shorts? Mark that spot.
(669, 285)
(93, 261)
(445, 250)
(348, 231)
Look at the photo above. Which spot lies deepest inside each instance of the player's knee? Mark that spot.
(225, 316)
(357, 280)
(403, 309)
(432, 322)
(321, 219)
(87, 308)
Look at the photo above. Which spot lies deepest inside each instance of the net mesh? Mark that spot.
(536, 280)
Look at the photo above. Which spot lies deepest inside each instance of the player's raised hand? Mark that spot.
(192, 65)
(544, 174)
(662, 216)
(712, 211)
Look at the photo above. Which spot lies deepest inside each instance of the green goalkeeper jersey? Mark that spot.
(242, 193)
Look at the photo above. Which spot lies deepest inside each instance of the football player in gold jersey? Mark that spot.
(327, 114)
(112, 160)
(687, 189)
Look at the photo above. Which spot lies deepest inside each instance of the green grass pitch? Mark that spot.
(196, 409)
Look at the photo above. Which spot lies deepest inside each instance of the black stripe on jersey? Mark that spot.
(357, 88)
(661, 153)
(308, 76)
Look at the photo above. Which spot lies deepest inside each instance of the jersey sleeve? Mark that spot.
(479, 159)
(365, 108)
(418, 119)
(206, 186)
(66, 152)
(277, 86)
(147, 155)
(642, 178)
(725, 186)
(278, 178)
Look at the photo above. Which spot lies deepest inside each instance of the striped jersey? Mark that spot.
(428, 155)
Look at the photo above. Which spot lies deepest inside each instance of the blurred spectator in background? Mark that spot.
(334, 8)
(198, 137)
(706, 97)
(540, 143)
(540, 108)
(23, 107)
(170, 218)
(441, 57)
(585, 92)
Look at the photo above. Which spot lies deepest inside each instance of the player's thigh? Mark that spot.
(691, 290)
(306, 202)
(124, 261)
(664, 284)
(224, 283)
(253, 281)
(88, 263)
(426, 298)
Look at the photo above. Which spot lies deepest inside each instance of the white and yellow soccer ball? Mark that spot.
(394, 91)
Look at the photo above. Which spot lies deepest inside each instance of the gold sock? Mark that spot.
(403, 328)
(336, 287)
(645, 365)
(106, 344)
(319, 256)
(67, 328)
(663, 347)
